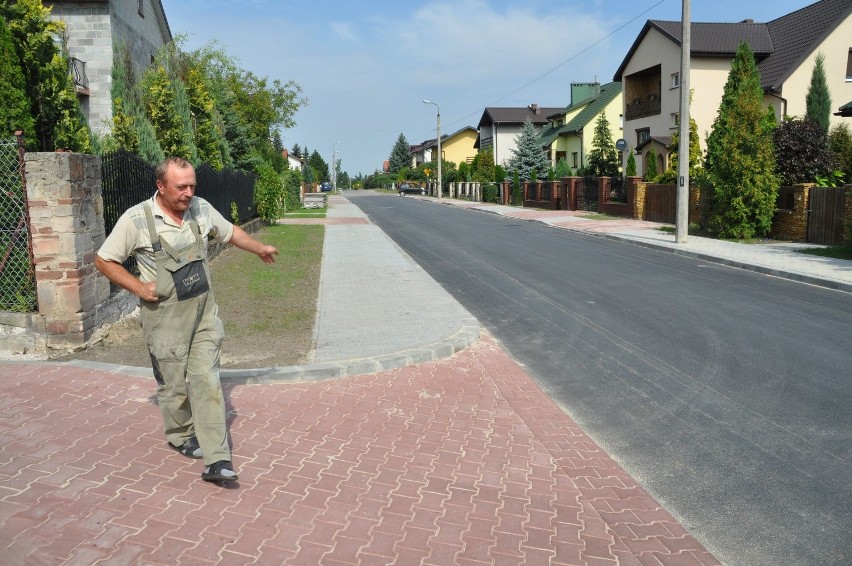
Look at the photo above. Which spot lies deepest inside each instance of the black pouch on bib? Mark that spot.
(182, 271)
(189, 277)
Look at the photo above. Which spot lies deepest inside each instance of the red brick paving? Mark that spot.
(462, 461)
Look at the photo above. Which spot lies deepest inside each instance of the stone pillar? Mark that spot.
(505, 189)
(639, 188)
(66, 220)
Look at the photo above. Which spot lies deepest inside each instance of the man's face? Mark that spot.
(177, 187)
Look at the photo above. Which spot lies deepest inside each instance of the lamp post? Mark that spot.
(334, 166)
(440, 186)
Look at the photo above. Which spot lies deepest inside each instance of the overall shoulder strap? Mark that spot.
(152, 231)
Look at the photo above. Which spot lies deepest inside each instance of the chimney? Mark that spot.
(535, 109)
(747, 21)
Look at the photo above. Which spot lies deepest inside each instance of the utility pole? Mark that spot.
(334, 166)
(440, 185)
(682, 217)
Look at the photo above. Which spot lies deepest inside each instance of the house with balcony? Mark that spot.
(94, 28)
(784, 48)
(498, 128)
(571, 131)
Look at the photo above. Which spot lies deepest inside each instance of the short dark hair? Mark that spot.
(163, 167)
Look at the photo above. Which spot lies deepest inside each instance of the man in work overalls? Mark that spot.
(168, 235)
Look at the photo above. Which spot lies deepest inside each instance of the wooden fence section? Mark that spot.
(660, 203)
(825, 222)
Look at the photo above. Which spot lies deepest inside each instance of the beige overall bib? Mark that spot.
(184, 335)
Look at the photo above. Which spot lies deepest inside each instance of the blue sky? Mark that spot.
(366, 66)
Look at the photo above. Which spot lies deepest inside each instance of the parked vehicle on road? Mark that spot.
(325, 186)
(407, 188)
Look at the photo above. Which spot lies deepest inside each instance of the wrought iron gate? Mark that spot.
(17, 278)
(590, 193)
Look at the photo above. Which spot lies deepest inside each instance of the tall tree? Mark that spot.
(740, 162)
(14, 106)
(400, 155)
(529, 158)
(59, 123)
(818, 99)
(319, 167)
(603, 159)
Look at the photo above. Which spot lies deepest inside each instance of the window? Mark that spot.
(574, 159)
(643, 136)
(849, 66)
(675, 80)
(675, 119)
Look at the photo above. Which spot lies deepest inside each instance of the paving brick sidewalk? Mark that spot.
(459, 461)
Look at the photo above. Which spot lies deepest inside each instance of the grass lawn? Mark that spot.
(271, 307)
(837, 252)
(306, 213)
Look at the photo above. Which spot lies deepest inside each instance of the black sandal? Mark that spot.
(190, 448)
(219, 471)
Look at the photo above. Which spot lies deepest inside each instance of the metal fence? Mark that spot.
(618, 189)
(128, 180)
(17, 277)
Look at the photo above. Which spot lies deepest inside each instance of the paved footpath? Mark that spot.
(458, 461)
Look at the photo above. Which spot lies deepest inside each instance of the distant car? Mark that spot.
(325, 186)
(406, 188)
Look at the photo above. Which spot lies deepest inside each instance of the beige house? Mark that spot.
(571, 131)
(785, 50)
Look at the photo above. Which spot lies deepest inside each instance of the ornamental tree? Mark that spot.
(529, 157)
(802, 152)
(14, 106)
(740, 160)
(58, 121)
(603, 159)
(818, 99)
(400, 155)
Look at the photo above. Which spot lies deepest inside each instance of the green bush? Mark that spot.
(269, 193)
(802, 151)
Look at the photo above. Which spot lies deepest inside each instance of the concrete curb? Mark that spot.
(468, 334)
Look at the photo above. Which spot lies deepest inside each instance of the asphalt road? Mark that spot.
(724, 392)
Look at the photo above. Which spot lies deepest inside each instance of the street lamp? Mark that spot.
(334, 166)
(440, 186)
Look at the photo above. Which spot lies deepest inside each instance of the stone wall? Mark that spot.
(67, 228)
(792, 224)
